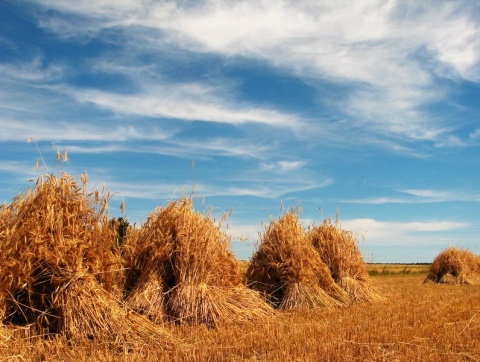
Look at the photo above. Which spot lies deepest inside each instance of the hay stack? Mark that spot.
(288, 270)
(183, 266)
(455, 266)
(61, 272)
(339, 251)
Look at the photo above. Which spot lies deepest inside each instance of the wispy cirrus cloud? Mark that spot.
(136, 190)
(282, 165)
(244, 184)
(378, 200)
(188, 102)
(51, 130)
(33, 72)
(22, 169)
(372, 45)
(265, 187)
(475, 134)
(417, 196)
(179, 148)
(431, 195)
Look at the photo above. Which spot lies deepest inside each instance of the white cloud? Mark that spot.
(385, 233)
(181, 148)
(282, 166)
(31, 72)
(431, 195)
(449, 141)
(303, 30)
(243, 232)
(269, 189)
(291, 165)
(225, 147)
(475, 134)
(22, 170)
(458, 45)
(160, 191)
(190, 102)
(364, 44)
(373, 44)
(389, 54)
(378, 200)
(371, 231)
(414, 196)
(229, 185)
(50, 131)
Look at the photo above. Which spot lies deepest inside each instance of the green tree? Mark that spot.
(122, 226)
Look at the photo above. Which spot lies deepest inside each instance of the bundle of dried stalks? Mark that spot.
(339, 251)
(147, 288)
(86, 310)
(60, 225)
(183, 263)
(49, 236)
(288, 270)
(5, 336)
(149, 269)
(455, 266)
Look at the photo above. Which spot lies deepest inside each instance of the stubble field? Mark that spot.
(413, 322)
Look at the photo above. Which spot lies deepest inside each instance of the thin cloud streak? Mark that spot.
(185, 102)
(32, 73)
(186, 149)
(378, 201)
(261, 188)
(21, 169)
(16, 130)
(136, 190)
(430, 195)
(418, 196)
(282, 166)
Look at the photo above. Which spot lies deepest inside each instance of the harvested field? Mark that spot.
(399, 269)
(414, 322)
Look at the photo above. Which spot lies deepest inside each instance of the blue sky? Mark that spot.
(369, 108)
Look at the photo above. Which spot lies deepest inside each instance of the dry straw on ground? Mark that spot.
(60, 269)
(289, 271)
(339, 251)
(181, 268)
(455, 266)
